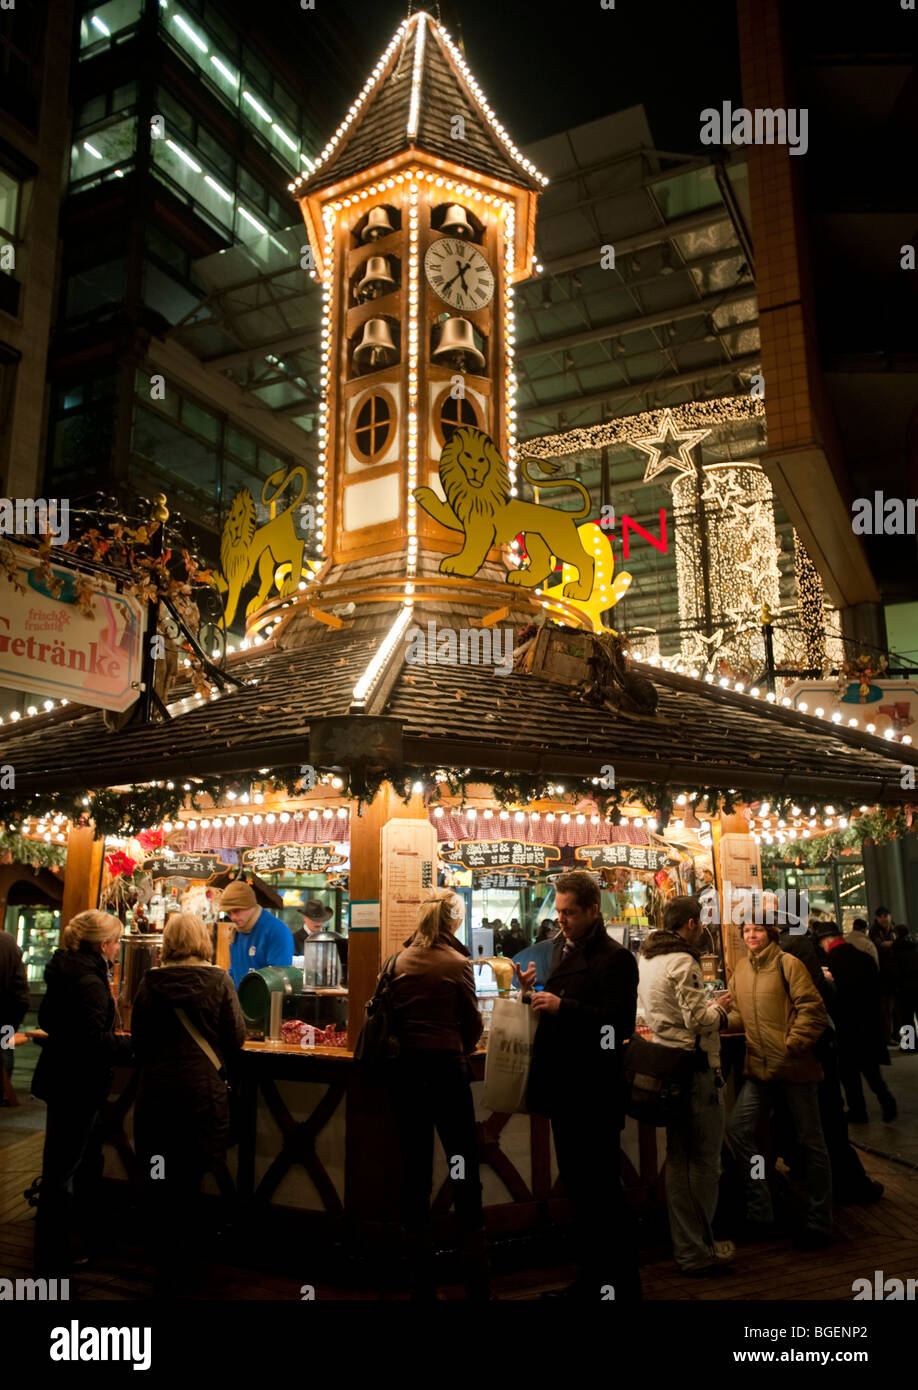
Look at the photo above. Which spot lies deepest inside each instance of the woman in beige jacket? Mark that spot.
(777, 1005)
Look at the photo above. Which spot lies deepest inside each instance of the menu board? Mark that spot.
(501, 881)
(188, 866)
(500, 854)
(618, 856)
(307, 859)
(409, 871)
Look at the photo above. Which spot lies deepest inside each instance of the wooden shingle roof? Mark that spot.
(422, 64)
(462, 715)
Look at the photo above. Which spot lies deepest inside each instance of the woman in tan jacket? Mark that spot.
(777, 1005)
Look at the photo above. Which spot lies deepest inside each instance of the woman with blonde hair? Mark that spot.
(188, 1033)
(73, 1077)
(438, 1023)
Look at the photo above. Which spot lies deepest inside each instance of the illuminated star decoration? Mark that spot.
(660, 448)
(701, 642)
(722, 488)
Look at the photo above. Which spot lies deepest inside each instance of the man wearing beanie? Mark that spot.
(259, 938)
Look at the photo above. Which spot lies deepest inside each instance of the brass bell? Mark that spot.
(456, 222)
(378, 225)
(376, 348)
(377, 280)
(456, 345)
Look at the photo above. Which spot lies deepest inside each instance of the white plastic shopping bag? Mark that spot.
(513, 1027)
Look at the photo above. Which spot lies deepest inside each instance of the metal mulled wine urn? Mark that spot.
(139, 953)
(321, 962)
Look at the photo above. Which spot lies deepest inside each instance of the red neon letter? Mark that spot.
(628, 523)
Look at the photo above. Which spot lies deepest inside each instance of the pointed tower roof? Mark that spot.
(420, 84)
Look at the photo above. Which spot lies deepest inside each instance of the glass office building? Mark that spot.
(185, 357)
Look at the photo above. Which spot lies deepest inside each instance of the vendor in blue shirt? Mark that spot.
(259, 939)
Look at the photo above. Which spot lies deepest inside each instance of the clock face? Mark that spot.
(459, 274)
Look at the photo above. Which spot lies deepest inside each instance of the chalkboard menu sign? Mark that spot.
(199, 866)
(307, 859)
(619, 856)
(501, 854)
(501, 881)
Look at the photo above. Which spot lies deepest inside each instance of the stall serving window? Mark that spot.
(837, 889)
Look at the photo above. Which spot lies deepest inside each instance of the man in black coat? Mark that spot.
(858, 1016)
(586, 1013)
(14, 1001)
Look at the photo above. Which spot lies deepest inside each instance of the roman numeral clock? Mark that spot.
(421, 217)
(459, 274)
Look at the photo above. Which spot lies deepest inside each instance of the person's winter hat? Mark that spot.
(316, 911)
(237, 895)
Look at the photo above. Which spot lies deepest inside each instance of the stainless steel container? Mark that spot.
(139, 954)
(321, 962)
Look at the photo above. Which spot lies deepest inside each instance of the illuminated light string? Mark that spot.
(509, 219)
(413, 367)
(356, 107)
(415, 103)
(325, 380)
(743, 569)
(724, 410)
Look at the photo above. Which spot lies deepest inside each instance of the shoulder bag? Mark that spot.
(378, 1043)
(232, 1095)
(658, 1081)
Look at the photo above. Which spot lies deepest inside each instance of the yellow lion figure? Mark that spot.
(475, 480)
(243, 545)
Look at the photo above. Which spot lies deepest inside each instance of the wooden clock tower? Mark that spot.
(421, 216)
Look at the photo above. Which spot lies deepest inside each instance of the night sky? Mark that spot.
(545, 67)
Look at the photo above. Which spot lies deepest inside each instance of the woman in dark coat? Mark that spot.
(188, 1032)
(438, 1023)
(73, 1077)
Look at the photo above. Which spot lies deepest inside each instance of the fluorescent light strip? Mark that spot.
(183, 156)
(92, 149)
(249, 218)
(247, 96)
(414, 107)
(100, 24)
(187, 29)
(228, 197)
(291, 144)
(221, 67)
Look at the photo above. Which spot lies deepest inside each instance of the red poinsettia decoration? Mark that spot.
(119, 863)
(150, 840)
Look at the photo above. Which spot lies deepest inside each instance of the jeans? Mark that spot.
(71, 1177)
(693, 1148)
(754, 1104)
(588, 1149)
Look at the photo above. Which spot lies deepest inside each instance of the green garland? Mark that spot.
(879, 827)
(124, 813)
(35, 852)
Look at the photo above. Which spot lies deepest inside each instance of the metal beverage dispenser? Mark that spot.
(321, 963)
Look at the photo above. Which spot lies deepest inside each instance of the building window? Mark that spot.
(194, 161)
(96, 289)
(10, 189)
(374, 422)
(454, 413)
(265, 106)
(108, 151)
(101, 24)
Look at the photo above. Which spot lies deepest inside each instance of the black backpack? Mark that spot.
(377, 1043)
